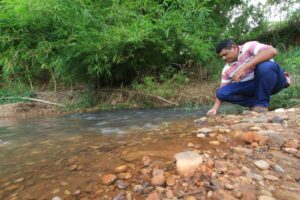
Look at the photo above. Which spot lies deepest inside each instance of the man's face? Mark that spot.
(230, 55)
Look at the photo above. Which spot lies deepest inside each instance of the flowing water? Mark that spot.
(45, 157)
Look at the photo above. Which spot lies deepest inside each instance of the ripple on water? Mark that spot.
(109, 130)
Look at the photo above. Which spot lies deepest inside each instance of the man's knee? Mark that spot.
(222, 94)
(265, 67)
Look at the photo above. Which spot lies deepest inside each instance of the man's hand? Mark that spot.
(238, 75)
(212, 112)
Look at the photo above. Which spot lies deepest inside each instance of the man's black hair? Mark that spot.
(224, 44)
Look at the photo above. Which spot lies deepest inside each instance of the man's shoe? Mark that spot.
(288, 80)
(259, 109)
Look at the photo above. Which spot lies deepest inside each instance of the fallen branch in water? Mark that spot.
(32, 99)
(145, 94)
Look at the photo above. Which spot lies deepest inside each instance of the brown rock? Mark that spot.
(121, 168)
(235, 172)
(146, 160)
(108, 179)
(154, 196)
(125, 175)
(251, 137)
(158, 180)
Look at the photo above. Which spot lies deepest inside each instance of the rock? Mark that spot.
(261, 164)
(201, 135)
(228, 186)
(257, 177)
(73, 167)
(138, 188)
(261, 119)
(290, 150)
(255, 128)
(205, 130)
(121, 184)
(279, 110)
(264, 197)
(278, 169)
(154, 196)
(277, 119)
(121, 168)
(171, 180)
(158, 180)
(271, 177)
(214, 142)
(120, 196)
(201, 120)
(292, 144)
(250, 137)
(146, 160)
(222, 195)
(108, 179)
(187, 162)
(19, 180)
(190, 198)
(247, 152)
(220, 166)
(274, 139)
(235, 172)
(56, 198)
(125, 175)
(248, 192)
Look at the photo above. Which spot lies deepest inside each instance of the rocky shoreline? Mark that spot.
(260, 161)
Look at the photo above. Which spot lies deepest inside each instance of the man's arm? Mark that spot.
(261, 56)
(215, 108)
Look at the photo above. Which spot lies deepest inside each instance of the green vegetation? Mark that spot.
(146, 45)
(290, 61)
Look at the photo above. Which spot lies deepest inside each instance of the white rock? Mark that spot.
(187, 162)
(56, 198)
(200, 135)
(205, 130)
(279, 110)
(261, 164)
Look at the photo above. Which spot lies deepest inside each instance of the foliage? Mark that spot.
(105, 41)
(291, 96)
(14, 89)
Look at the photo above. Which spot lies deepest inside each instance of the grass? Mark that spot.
(14, 89)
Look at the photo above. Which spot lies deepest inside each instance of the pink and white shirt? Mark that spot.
(247, 52)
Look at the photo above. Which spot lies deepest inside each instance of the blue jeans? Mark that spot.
(268, 79)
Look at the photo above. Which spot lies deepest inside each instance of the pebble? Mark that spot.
(257, 177)
(125, 175)
(146, 160)
(265, 197)
(271, 177)
(121, 184)
(121, 168)
(214, 142)
(201, 135)
(158, 180)
(19, 180)
(290, 150)
(205, 130)
(229, 186)
(261, 164)
(278, 169)
(56, 198)
(108, 179)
